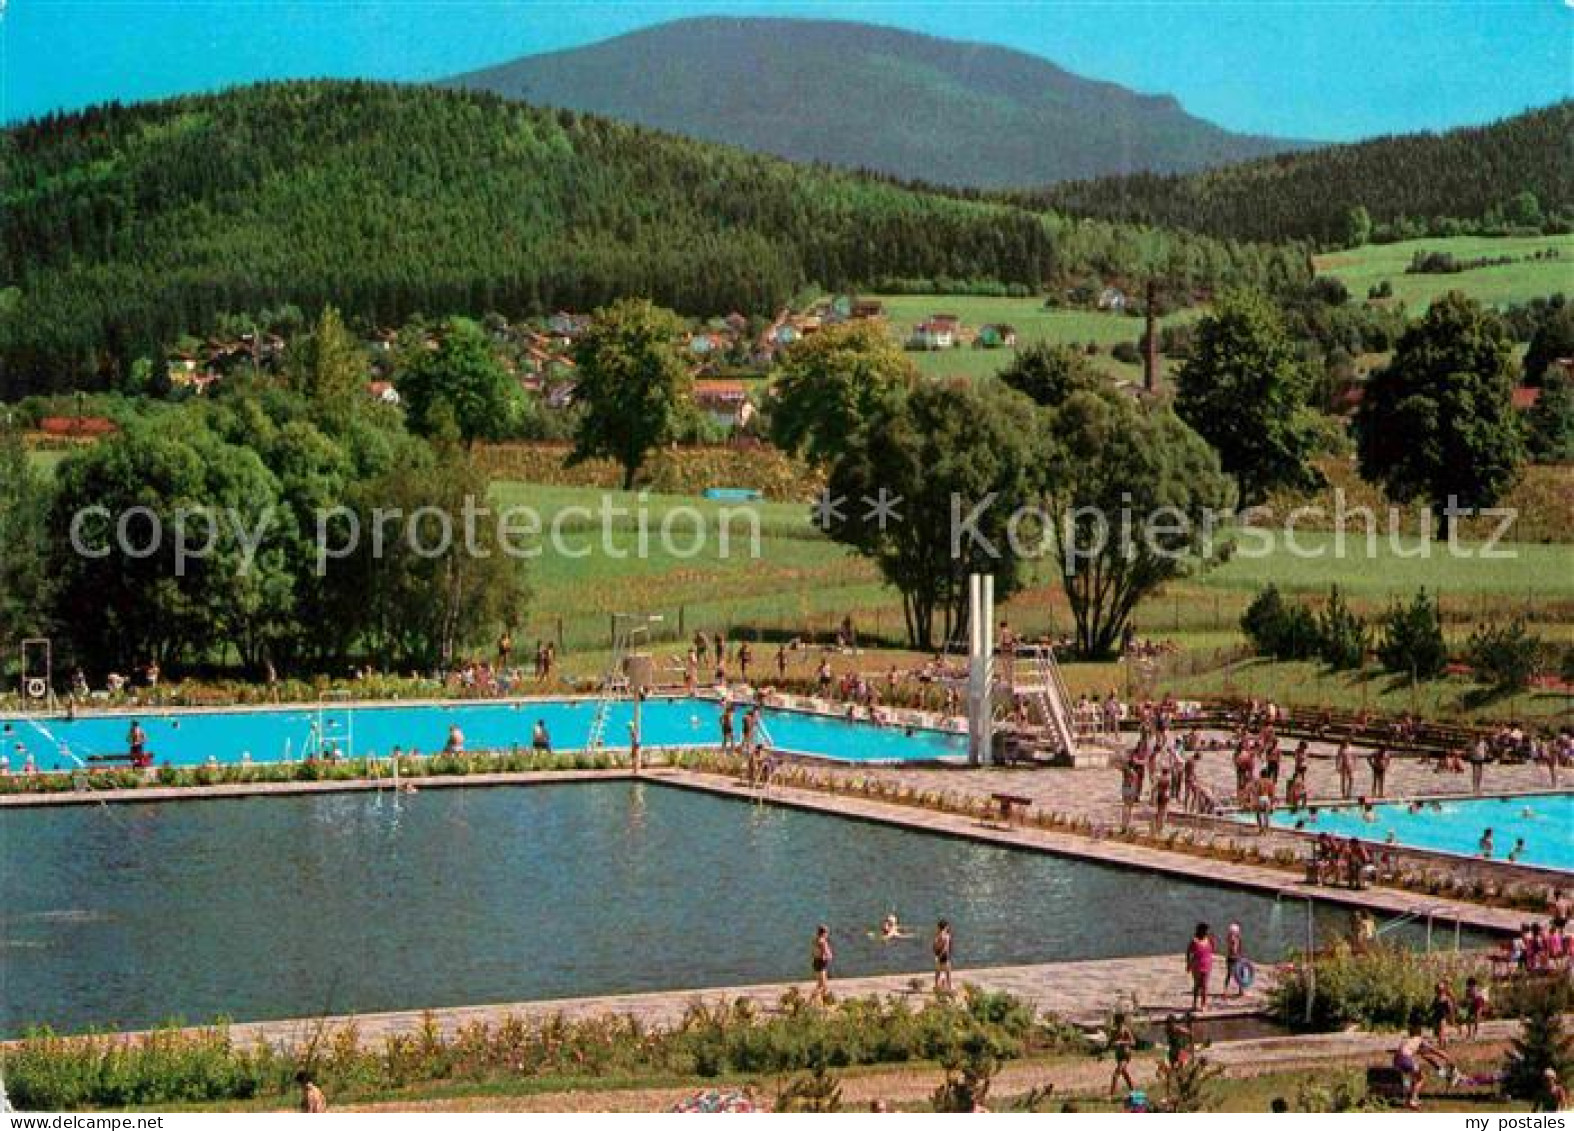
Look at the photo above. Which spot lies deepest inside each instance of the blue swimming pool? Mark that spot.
(186, 738)
(1544, 822)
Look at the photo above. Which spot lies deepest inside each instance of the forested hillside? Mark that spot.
(125, 227)
(1409, 185)
(868, 97)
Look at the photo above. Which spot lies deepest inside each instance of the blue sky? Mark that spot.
(1327, 69)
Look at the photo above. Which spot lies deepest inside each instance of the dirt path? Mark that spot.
(1076, 1076)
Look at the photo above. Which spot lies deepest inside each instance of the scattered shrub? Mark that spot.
(1412, 639)
(1504, 656)
(1341, 635)
(1541, 1044)
(1278, 629)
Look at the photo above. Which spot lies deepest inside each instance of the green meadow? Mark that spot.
(1033, 321)
(1363, 268)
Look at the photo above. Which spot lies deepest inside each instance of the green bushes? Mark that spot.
(1504, 656)
(51, 1072)
(1382, 988)
(320, 770)
(1294, 632)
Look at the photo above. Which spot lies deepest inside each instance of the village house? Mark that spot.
(1113, 298)
(726, 402)
(938, 332)
(567, 325)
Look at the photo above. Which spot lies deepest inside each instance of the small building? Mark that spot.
(383, 392)
(567, 325)
(726, 402)
(866, 310)
(932, 335)
(1113, 298)
(1526, 398)
(77, 427)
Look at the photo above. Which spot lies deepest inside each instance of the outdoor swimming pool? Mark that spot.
(186, 738)
(128, 914)
(1545, 822)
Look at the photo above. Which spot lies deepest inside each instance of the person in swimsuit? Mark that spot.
(942, 949)
(1130, 791)
(1379, 761)
(1234, 959)
(1477, 1006)
(891, 929)
(1262, 802)
(1344, 762)
(313, 1102)
(137, 746)
(820, 959)
(1123, 1041)
(1178, 1041)
(1199, 964)
(456, 740)
(540, 740)
(726, 727)
(1411, 1056)
(1554, 1096)
(1443, 1012)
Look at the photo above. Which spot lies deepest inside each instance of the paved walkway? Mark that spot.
(1094, 794)
(1081, 992)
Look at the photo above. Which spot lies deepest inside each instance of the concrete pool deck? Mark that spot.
(1079, 992)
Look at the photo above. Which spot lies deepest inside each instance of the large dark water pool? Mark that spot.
(126, 915)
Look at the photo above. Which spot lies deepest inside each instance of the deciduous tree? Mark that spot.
(460, 384)
(1132, 494)
(1438, 422)
(634, 386)
(940, 453)
(828, 384)
(1244, 388)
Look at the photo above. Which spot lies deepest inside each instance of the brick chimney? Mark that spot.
(1150, 356)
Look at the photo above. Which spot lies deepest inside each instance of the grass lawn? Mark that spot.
(1363, 268)
(1033, 322)
(1311, 684)
(45, 460)
(1525, 571)
(802, 583)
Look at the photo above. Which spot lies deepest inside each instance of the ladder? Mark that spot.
(614, 685)
(1049, 692)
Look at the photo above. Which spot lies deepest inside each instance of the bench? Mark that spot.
(1011, 806)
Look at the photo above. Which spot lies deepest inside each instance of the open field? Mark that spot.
(1363, 268)
(803, 584)
(1034, 322)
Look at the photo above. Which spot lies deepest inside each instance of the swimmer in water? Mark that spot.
(1517, 851)
(891, 929)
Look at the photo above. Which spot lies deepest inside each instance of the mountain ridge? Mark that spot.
(861, 95)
